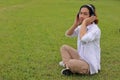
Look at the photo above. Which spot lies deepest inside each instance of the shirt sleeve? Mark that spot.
(91, 35)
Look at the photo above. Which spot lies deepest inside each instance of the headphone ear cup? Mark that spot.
(93, 15)
(78, 15)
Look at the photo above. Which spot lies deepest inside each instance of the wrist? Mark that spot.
(84, 23)
(75, 25)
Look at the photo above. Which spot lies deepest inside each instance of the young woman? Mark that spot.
(86, 59)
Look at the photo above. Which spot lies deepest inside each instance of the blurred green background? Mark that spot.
(32, 31)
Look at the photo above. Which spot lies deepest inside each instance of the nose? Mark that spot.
(81, 16)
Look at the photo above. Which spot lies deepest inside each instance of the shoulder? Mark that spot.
(93, 26)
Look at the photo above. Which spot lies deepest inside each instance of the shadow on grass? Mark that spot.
(76, 75)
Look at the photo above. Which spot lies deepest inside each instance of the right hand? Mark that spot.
(78, 20)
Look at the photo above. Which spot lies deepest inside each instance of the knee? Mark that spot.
(63, 47)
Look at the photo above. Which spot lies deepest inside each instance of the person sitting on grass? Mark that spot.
(86, 58)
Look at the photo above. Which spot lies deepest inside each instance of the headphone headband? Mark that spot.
(91, 7)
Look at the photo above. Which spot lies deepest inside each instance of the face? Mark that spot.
(84, 13)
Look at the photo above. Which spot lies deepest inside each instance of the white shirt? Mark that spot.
(89, 46)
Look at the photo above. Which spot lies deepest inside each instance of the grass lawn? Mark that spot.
(32, 31)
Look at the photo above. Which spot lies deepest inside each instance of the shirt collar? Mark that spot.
(91, 25)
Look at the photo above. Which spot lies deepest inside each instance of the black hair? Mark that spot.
(92, 10)
(90, 7)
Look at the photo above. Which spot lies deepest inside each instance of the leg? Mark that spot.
(68, 53)
(78, 66)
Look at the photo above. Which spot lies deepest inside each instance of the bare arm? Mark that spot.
(84, 25)
(74, 26)
(83, 29)
(71, 30)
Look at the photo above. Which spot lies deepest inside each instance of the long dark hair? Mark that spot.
(92, 11)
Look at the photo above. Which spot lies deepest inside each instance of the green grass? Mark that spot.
(32, 31)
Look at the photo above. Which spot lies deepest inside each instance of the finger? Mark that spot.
(92, 18)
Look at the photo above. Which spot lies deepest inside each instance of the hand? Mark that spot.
(89, 20)
(78, 20)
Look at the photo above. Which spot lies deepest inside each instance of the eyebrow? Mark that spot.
(85, 12)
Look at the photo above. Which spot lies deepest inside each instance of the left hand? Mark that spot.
(89, 20)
